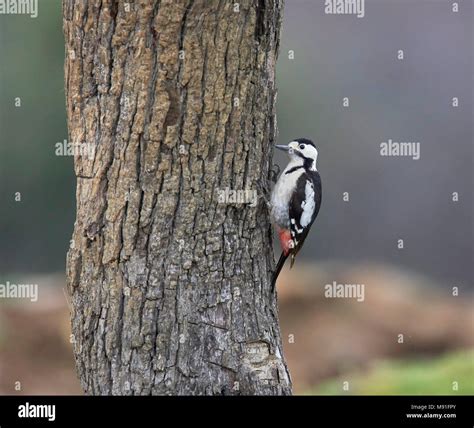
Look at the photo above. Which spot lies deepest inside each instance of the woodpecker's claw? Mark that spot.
(274, 173)
(263, 193)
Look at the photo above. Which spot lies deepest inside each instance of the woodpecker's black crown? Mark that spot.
(305, 141)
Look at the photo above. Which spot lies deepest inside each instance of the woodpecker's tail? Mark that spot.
(278, 268)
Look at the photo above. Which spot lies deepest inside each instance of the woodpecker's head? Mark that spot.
(302, 149)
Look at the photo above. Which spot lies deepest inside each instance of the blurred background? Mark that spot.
(370, 202)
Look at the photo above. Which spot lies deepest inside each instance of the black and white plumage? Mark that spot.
(296, 199)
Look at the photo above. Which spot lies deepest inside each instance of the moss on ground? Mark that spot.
(434, 376)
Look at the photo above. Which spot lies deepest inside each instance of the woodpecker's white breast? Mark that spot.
(282, 193)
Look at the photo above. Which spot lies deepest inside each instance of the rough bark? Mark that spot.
(170, 289)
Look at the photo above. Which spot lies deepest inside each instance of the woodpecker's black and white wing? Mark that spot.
(304, 208)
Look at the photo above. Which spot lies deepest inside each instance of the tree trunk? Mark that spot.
(170, 287)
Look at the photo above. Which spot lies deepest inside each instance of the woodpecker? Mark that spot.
(295, 199)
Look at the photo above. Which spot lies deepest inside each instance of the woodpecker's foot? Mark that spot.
(274, 173)
(263, 193)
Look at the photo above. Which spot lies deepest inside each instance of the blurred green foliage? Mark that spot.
(409, 377)
(34, 232)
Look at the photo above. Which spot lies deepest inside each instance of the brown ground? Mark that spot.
(322, 337)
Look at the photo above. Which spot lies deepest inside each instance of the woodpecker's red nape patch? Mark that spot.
(285, 240)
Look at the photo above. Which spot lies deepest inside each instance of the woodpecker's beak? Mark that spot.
(284, 148)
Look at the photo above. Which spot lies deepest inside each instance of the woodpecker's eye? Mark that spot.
(301, 146)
